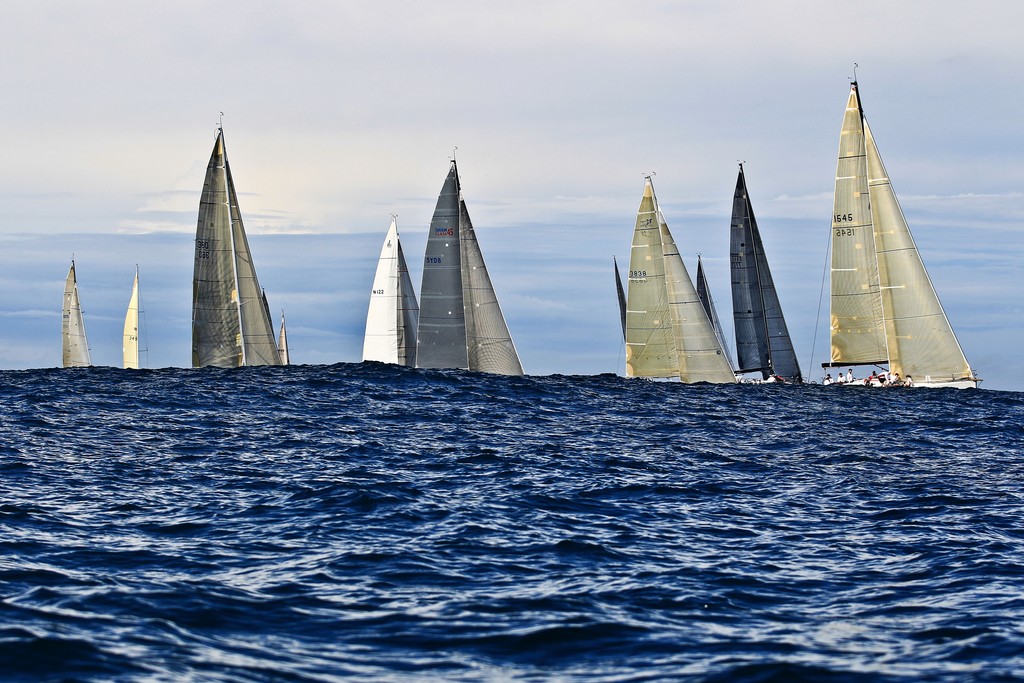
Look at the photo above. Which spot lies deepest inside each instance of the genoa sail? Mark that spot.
(668, 333)
(130, 337)
(708, 302)
(884, 308)
(75, 346)
(231, 324)
(460, 321)
(763, 343)
(393, 313)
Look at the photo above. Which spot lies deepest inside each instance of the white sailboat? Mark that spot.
(282, 343)
(668, 332)
(130, 338)
(75, 346)
(393, 313)
(884, 309)
(460, 322)
(231, 324)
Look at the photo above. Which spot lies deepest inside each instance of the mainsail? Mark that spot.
(231, 324)
(130, 338)
(460, 321)
(884, 309)
(74, 343)
(393, 313)
(708, 302)
(668, 334)
(763, 343)
(282, 343)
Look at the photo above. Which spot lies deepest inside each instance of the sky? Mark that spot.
(337, 115)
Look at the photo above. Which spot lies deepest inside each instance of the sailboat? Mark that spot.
(231, 324)
(130, 338)
(884, 309)
(763, 343)
(74, 344)
(668, 333)
(393, 314)
(282, 343)
(708, 302)
(460, 323)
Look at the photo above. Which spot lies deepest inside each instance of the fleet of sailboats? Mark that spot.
(460, 321)
(883, 308)
(393, 313)
(74, 343)
(231, 324)
(668, 332)
(884, 311)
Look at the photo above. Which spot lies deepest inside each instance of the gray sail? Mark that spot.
(704, 294)
(75, 346)
(621, 295)
(231, 323)
(460, 321)
(763, 343)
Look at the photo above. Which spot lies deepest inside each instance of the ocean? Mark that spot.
(369, 522)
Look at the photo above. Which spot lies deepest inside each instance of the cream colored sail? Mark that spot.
(668, 332)
(920, 339)
(858, 335)
(130, 338)
(75, 346)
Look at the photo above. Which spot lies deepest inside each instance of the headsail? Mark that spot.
(763, 343)
(884, 307)
(74, 344)
(393, 314)
(706, 300)
(231, 324)
(668, 334)
(460, 321)
(130, 338)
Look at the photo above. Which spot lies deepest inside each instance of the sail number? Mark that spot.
(634, 274)
(843, 218)
(378, 291)
(845, 232)
(432, 259)
(202, 248)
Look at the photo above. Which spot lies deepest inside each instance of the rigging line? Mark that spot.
(821, 291)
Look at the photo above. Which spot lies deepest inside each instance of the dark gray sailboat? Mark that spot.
(762, 338)
(231, 324)
(460, 321)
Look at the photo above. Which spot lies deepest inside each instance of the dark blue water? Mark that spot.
(374, 523)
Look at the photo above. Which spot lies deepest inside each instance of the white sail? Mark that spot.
(393, 313)
(884, 309)
(231, 324)
(74, 342)
(668, 332)
(282, 343)
(130, 338)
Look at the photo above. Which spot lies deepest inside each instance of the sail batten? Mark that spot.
(231, 323)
